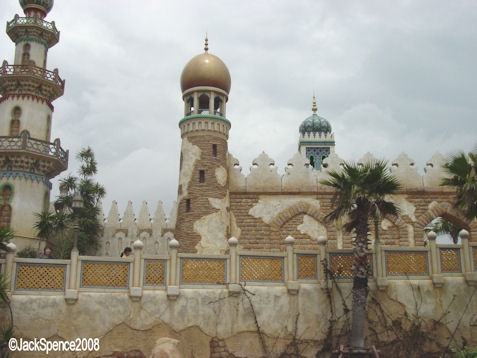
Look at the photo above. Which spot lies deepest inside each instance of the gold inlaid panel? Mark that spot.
(261, 268)
(406, 263)
(154, 272)
(205, 271)
(104, 274)
(450, 260)
(341, 265)
(40, 277)
(306, 266)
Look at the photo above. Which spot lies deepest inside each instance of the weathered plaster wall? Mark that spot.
(200, 314)
(206, 198)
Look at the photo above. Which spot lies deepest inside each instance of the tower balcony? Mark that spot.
(49, 158)
(31, 79)
(33, 27)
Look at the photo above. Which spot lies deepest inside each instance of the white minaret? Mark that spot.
(28, 158)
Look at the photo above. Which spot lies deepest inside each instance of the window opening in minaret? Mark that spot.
(204, 104)
(312, 161)
(187, 205)
(201, 176)
(190, 105)
(15, 122)
(48, 128)
(218, 106)
(26, 54)
(214, 150)
(5, 208)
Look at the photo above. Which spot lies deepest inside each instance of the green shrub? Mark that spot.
(28, 252)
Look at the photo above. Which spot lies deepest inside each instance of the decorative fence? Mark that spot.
(24, 142)
(290, 268)
(33, 20)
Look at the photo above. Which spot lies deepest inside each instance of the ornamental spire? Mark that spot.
(314, 108)
(206, 46)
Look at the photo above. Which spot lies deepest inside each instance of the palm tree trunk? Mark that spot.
(360, 284)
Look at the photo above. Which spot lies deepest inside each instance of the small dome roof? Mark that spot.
(43, 5)
(206, 70)
(315, 124)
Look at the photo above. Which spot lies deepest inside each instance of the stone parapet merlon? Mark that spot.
(299, 176)
(121, 231)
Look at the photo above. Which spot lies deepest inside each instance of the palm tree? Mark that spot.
(463, 171)
(359, 194)
(443, 226)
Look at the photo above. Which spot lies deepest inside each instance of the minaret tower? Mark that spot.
(203, 202)
(316, 141)
(28, 158)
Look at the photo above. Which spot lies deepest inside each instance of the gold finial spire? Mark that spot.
(206, 46)
(314, 109)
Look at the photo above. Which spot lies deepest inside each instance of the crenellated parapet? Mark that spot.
(264, 175)
(121, 231)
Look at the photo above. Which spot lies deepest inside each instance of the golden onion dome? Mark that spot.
(206, 70)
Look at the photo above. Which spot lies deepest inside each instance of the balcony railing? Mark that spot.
(22, 70)
(19, 21)
(24, 142)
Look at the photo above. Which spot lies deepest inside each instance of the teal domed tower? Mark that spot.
(316, 140)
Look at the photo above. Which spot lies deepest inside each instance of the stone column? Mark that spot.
(9, 263)
(321, 272)
(234, 287)
(470, 276)
(135, 292)
(292, 284)
(71, 293)
(173, 283)
(211, 103)
(436, 275)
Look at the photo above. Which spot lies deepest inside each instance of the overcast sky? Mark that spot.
(390, 76)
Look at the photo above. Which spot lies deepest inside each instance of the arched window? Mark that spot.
(48, 128)
(218, 106)
(15, 122)
(5, 208)
(312, 160)
(190, 105)
(204, 103)
(26, 54)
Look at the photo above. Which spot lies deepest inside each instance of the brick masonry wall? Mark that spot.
(199, 193)
(258, 235)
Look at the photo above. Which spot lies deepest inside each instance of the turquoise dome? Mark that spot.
(44, 5)
(315, 124)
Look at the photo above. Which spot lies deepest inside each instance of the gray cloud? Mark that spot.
(389, 76)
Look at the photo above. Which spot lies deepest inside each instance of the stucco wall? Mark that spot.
(200, 314)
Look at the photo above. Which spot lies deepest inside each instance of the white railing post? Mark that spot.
(173, 283)
(321, 271)
(71, 292)
(436, 275)
(469, 274)
(292, 283)
(234, 287)
(9, 274)
(135, 292)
